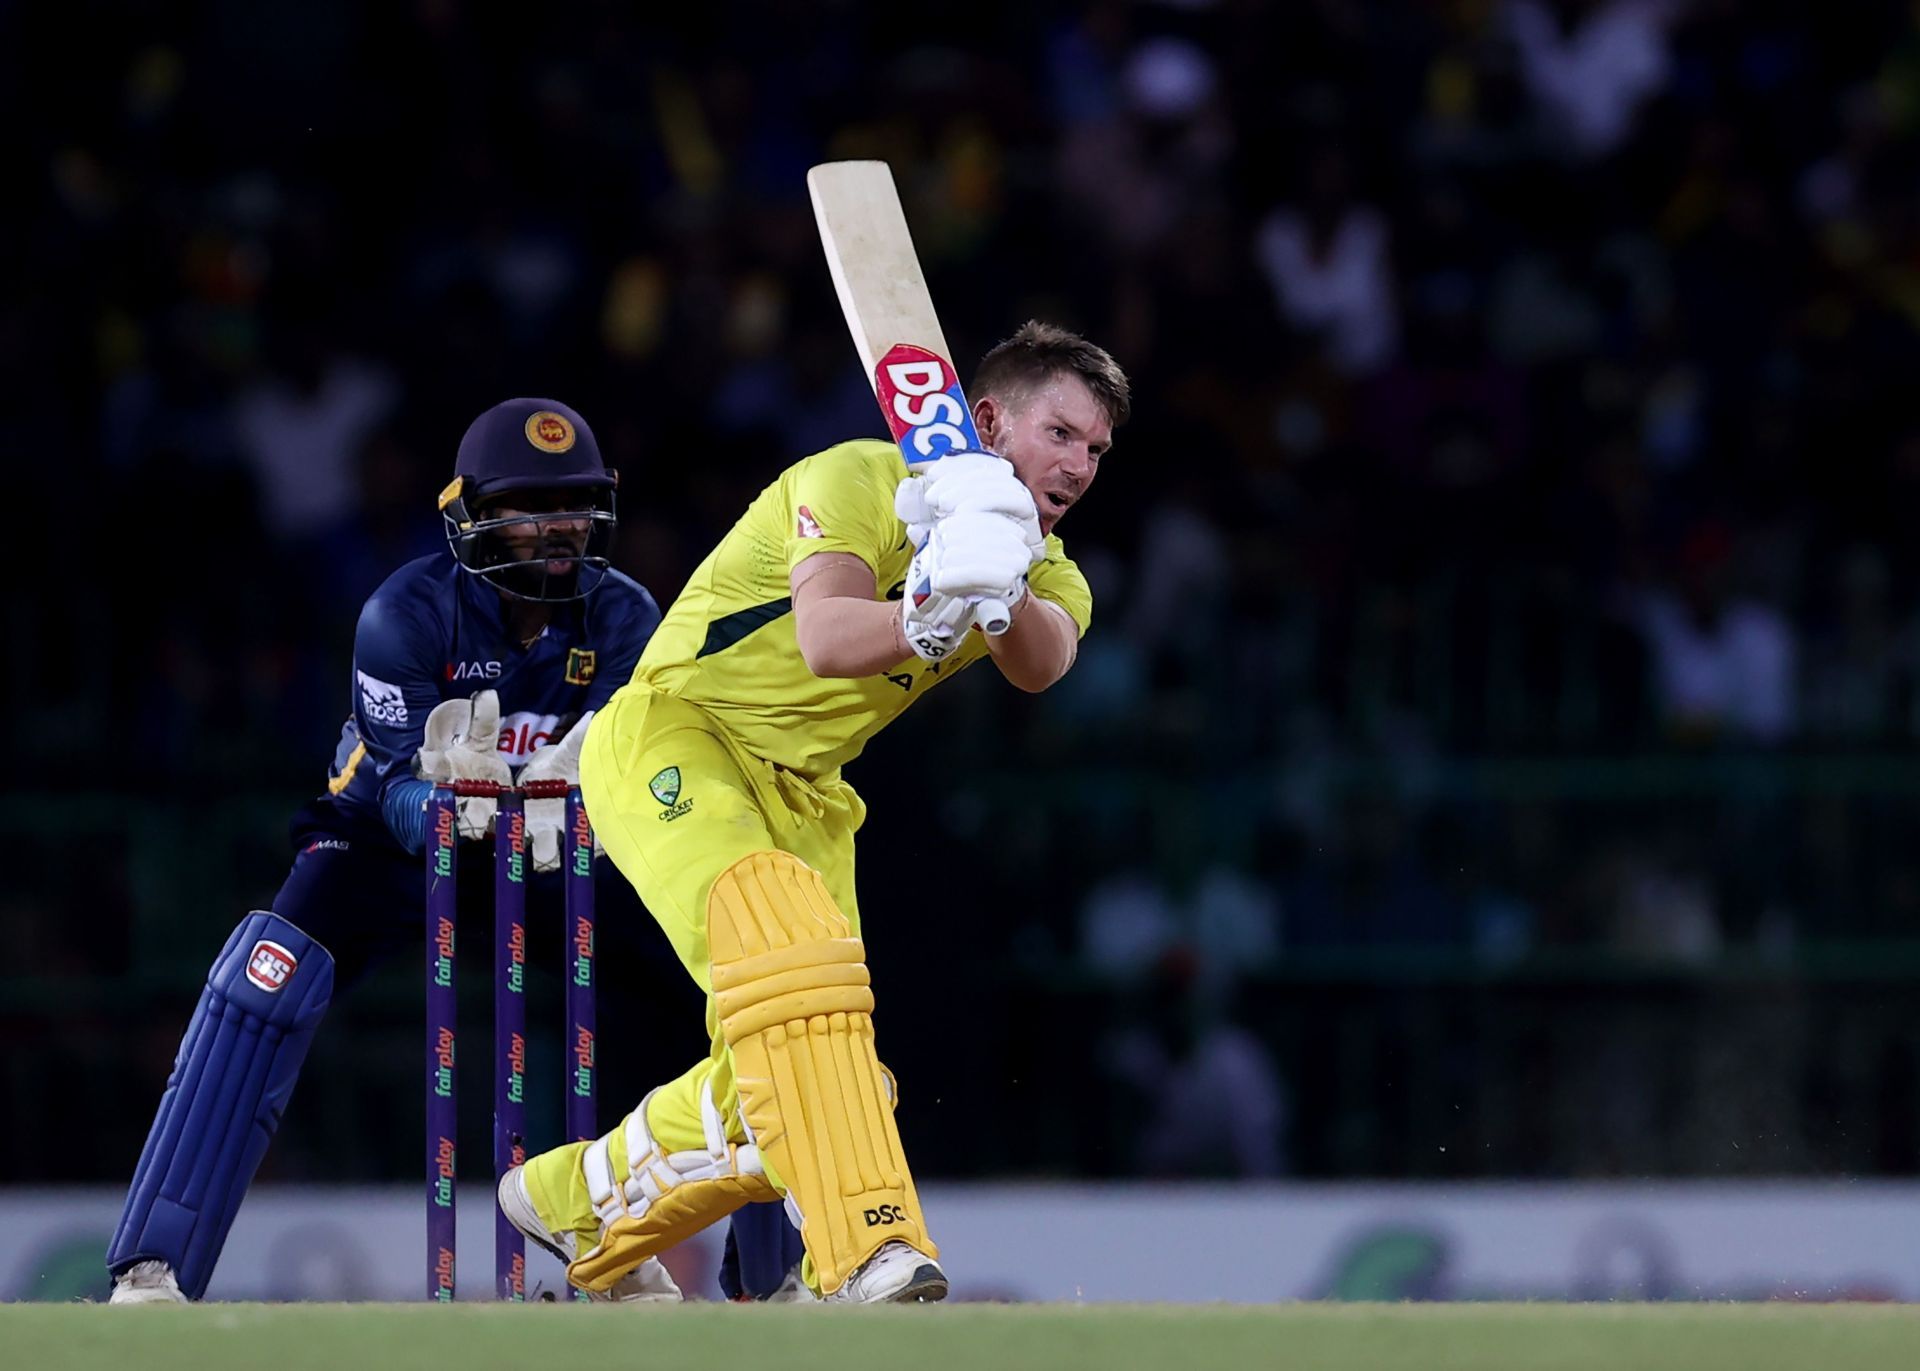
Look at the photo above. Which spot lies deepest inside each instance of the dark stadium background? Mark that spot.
(1495, 753)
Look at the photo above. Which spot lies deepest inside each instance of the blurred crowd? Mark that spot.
(1519, 384)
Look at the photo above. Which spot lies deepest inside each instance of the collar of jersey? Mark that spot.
(485, 604)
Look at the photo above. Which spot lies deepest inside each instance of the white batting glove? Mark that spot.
(939, 625)
(910, 505)
(977, 554)
(462, 744)
(547, 819)
(968, 482)
(935, 624)
(972, 561)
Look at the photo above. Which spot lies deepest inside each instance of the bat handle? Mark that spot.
(993, 616)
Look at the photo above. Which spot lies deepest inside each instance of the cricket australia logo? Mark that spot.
(665, 786)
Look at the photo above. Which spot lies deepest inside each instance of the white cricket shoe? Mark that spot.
(149, 1282)
(647, 1283)
(896, 1274)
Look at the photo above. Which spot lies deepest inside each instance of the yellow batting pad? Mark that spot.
(791, 989)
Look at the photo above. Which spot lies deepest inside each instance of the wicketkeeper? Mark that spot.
(474, 663)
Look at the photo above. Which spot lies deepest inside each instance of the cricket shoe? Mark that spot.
(896, 1274)
(149, 1282)
(647, 1283)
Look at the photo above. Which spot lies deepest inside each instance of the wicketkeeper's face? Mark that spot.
(553, 526)
(1055, 437)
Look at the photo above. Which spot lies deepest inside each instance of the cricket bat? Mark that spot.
(889, 311)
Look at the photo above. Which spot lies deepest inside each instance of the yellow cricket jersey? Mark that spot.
(728, 643)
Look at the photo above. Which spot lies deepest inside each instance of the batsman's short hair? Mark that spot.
(1038, 352)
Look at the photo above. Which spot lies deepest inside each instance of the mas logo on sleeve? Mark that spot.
(381, 701)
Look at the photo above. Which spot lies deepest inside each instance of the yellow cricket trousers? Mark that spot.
(675, 802)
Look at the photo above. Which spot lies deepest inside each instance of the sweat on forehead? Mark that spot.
(1018, 393)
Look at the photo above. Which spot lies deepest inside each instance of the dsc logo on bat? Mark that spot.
(924, 404)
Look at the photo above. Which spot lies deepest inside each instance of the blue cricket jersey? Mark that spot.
(434, 632)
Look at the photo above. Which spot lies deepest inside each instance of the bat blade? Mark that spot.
(889, 310)
(890, 314)
(875, 269)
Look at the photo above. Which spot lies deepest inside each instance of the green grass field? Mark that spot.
(1300, 1337)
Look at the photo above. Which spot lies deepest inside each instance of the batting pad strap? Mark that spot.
(664, 1196)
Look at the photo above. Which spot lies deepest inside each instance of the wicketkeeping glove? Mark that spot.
(462, 744)
(547, 819)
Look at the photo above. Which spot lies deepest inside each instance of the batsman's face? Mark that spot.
(1054, 436)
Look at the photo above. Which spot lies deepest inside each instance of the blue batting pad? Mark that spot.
(230, 1084)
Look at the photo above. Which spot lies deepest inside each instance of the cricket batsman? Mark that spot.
(714, 778)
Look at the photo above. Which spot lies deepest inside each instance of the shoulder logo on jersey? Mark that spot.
(806, 526)
(270, 965)
(550, 432)
(580, 665)
(382, 701)
(473, 671)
